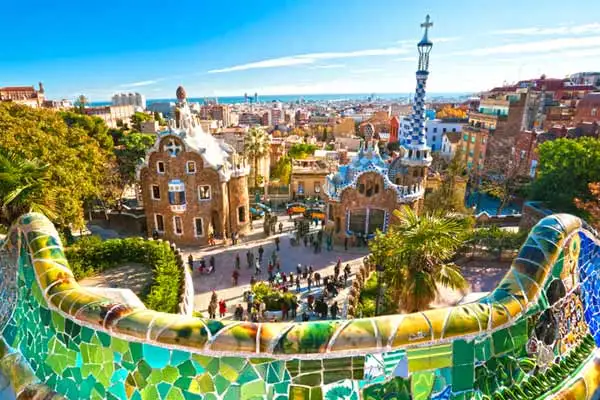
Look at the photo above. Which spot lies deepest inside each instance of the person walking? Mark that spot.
(248, 254)
(284, 311)
(260, 253)
(298, 284)
(191, 262)
(252, 281)
(334, 309)
(346, 274)
(257, 268)
(346, 243)
(281, 227)
(317, 279)
(305, 241)
(212, 310)
(237, 261)
(294, 307)
(277, 242)
(211, 263)
(234, 276)
(309, 282)
(298, 269)
(222, 308)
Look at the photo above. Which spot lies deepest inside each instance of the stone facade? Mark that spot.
(193, 185)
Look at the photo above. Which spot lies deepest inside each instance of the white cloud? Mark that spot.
(140, 83)
(328, 66)
(557, 30)
(311, 58)
(434, 40)
(406, 59)
(543, 46)
(366, 70)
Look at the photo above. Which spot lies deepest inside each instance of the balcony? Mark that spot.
(178, 208)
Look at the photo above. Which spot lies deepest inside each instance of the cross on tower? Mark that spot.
(427, 24)
(173, 148)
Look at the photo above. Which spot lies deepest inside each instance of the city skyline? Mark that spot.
(301, 48)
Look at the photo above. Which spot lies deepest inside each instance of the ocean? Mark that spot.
(292, 98)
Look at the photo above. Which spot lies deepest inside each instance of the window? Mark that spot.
(177, 225)
(155, 192)
(159, 223)
(444, 130)
(469, 164)
(330, 212)
(317, 187)
(160, 167)
(198, 227)
(523, 152)
(471, 153)
(473, 138)
(433, 139)
(176, 192)
(204, 192)
(453, 129)
(426, 129)
(465, 137)
(483, 140)
(190, 167)
(300, 187)
(433, 147)
(434, 130)
(594, 112)
(242, 214)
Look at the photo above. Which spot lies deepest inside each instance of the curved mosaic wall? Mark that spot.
(532, 337)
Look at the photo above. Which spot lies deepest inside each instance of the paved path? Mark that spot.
(289, 256)
(132, 276)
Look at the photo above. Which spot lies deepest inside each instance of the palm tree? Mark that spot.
(80, 103)
(23, 187)
(419, 261)
(256, 146)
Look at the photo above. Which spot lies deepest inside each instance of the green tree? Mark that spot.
(158, 117)
(80, 165)
(137, 119)
(80, 103)
(22, 186)
(95, 127)
(256, 146)
(416, 254)
(283, 170)
(130, 153)
(566, 168)
(447, 198)
(301, 150)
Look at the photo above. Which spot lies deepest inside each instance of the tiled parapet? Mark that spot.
(86, 346)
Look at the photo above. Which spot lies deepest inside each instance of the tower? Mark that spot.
(417, 155)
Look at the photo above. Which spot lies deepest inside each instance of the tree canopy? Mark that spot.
(301, 150)
(131, 152)
(137, 118)
(566, 168)
(283, 170)
(77, 151)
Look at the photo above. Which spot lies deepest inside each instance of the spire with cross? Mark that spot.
(427, 24)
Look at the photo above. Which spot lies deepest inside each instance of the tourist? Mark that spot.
(257, 268)
(283, 278)
(310, 269)
(309, 282)
(239, 312)
(202, 265)
(305, 272)
(191, 262)
(346, 274)
(310, 302)
(248, 254)
(222, 308)
(284, 311)
(281, 227)
(260, 253)
(212, 310)
(252, 281)
(277, 242)
(334, 309)
(211, 263)
(211, 239)
(249, 301)
(254, 316)
(305, 241)
(294, 307)
(291, 278)
(237, 261)
(235, 275)
(317, 279)
(278, 266)
(263, 310)
(299, 269)
(305, 317)
(298, 284)
(155, 234)
(346, 243)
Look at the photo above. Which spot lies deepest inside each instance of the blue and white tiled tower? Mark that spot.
(417, 153)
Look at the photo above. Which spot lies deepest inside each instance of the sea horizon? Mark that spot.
(310, 98)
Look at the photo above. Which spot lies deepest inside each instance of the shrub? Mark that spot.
(368, 299)
(91, 256)
(273, 298)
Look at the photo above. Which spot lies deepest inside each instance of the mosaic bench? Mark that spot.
(534, 336)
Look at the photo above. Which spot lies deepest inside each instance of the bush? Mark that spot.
(368, 299)
(273, 298)
(91, 256)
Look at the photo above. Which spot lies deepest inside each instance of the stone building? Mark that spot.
(193, 184)
(362, 195)
(26, 95)
(308, 178)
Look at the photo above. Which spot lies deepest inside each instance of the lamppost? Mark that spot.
(379, 268)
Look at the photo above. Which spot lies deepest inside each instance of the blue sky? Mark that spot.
(224, 48)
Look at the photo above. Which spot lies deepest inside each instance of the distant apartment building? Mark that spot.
(586, 78)
(343, 127)
(26, 95)
(217, 112)
(473, 146)
(451, 142)
(163, 107)
(588, 109)
(112, 115)
(250, 119)
(434, 128)
(129, 99)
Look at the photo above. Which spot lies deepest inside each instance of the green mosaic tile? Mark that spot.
(502, 341)
(234, 392)
(336, 375)
(316, 393)
(191, 396)
(163, 389)
(253, 389)
(299, 393)
(248, 374)
(150, 393)
(313, 379)
(221, 384)
(206, 383)
(187, 369)
(293, 366)
(175, 394)
(462, 377)
(236, 363)
(463, 352)
(310, 366)
(483, 350)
